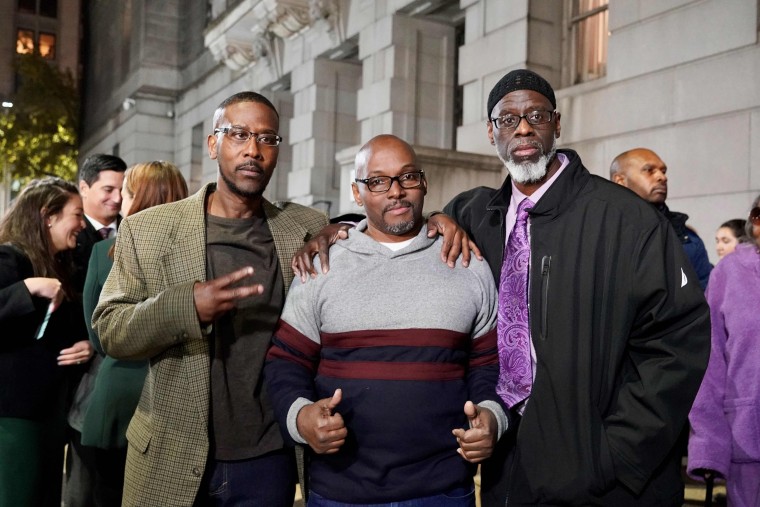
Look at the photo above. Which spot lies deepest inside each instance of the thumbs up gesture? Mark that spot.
(477, 443)
(322, 427)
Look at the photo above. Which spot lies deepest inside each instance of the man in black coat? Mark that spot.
(617, 324)
(644, 172)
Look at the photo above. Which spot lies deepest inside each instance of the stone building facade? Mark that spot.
(677, 76)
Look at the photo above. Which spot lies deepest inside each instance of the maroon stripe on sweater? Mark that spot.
(397, 337)
(278, 353)
(295, 339)
(380, 370)
(485, 350)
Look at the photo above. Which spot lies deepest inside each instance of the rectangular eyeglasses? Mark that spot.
(383, 183)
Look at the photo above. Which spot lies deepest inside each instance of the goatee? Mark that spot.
(529, 172)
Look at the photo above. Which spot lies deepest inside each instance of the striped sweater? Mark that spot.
(408, 340)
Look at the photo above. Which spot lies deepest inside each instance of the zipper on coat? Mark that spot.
(546, 263)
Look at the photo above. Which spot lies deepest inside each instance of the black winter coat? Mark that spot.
(622, 336)
(32, 385)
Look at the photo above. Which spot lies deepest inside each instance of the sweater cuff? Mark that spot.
(502, 423)
(293, 416)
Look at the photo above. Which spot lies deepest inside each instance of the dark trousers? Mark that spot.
(31, 455)
(109, 476)
(458, 497)
(268, 480)
(79, 482)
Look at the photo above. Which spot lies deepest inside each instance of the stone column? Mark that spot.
(408, 80)
(499, 37)
(323, 123)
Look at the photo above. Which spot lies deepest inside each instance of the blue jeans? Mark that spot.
(267, 481)
(458, 497)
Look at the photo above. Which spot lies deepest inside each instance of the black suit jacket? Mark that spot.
(86, 239)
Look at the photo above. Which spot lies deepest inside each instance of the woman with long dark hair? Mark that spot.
(730, 234)
(37, 318)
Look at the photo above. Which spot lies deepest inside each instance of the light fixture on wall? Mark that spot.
(128, 104)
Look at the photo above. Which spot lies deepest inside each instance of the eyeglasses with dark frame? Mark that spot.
(240, 135)
(512, 121)
(754, 216)
(380, 184)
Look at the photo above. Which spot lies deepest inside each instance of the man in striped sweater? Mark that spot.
(387, 366)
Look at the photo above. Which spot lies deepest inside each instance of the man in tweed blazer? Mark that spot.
(197, 287)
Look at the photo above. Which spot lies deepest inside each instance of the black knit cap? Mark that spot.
(521, 79)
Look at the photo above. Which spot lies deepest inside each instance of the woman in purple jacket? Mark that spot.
(725, 419)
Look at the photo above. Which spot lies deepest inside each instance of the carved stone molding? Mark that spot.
(328, 13)
(236, 54)
(247, 33)
(287, 17)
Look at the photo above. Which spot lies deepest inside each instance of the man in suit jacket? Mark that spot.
(100, 180)
(197, 287)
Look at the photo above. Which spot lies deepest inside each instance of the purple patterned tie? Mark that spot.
(104, 232)
(515, 369)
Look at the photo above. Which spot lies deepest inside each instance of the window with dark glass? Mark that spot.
(49, 8)
(24, 41)
(46, 46)
(27, 6)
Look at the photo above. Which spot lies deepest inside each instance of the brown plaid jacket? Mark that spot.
(146, 311)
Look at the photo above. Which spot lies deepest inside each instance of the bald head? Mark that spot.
(642, 171)
(377, 144)
(391, 187)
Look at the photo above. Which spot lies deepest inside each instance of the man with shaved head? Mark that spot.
(602, 331)
(643, 171)
(387, 366)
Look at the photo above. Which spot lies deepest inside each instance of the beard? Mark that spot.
(527, 172)
(399, 228)
(247, 193)
(405, 226)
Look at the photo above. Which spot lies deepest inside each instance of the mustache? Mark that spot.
(520, 143)
(397, 204)
(248, 166)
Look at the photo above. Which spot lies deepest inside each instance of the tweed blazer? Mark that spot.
(146, 311)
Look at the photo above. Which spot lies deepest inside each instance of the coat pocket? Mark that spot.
(138, 435)
(742, 417)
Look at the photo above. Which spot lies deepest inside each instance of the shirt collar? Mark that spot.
(97, 225)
